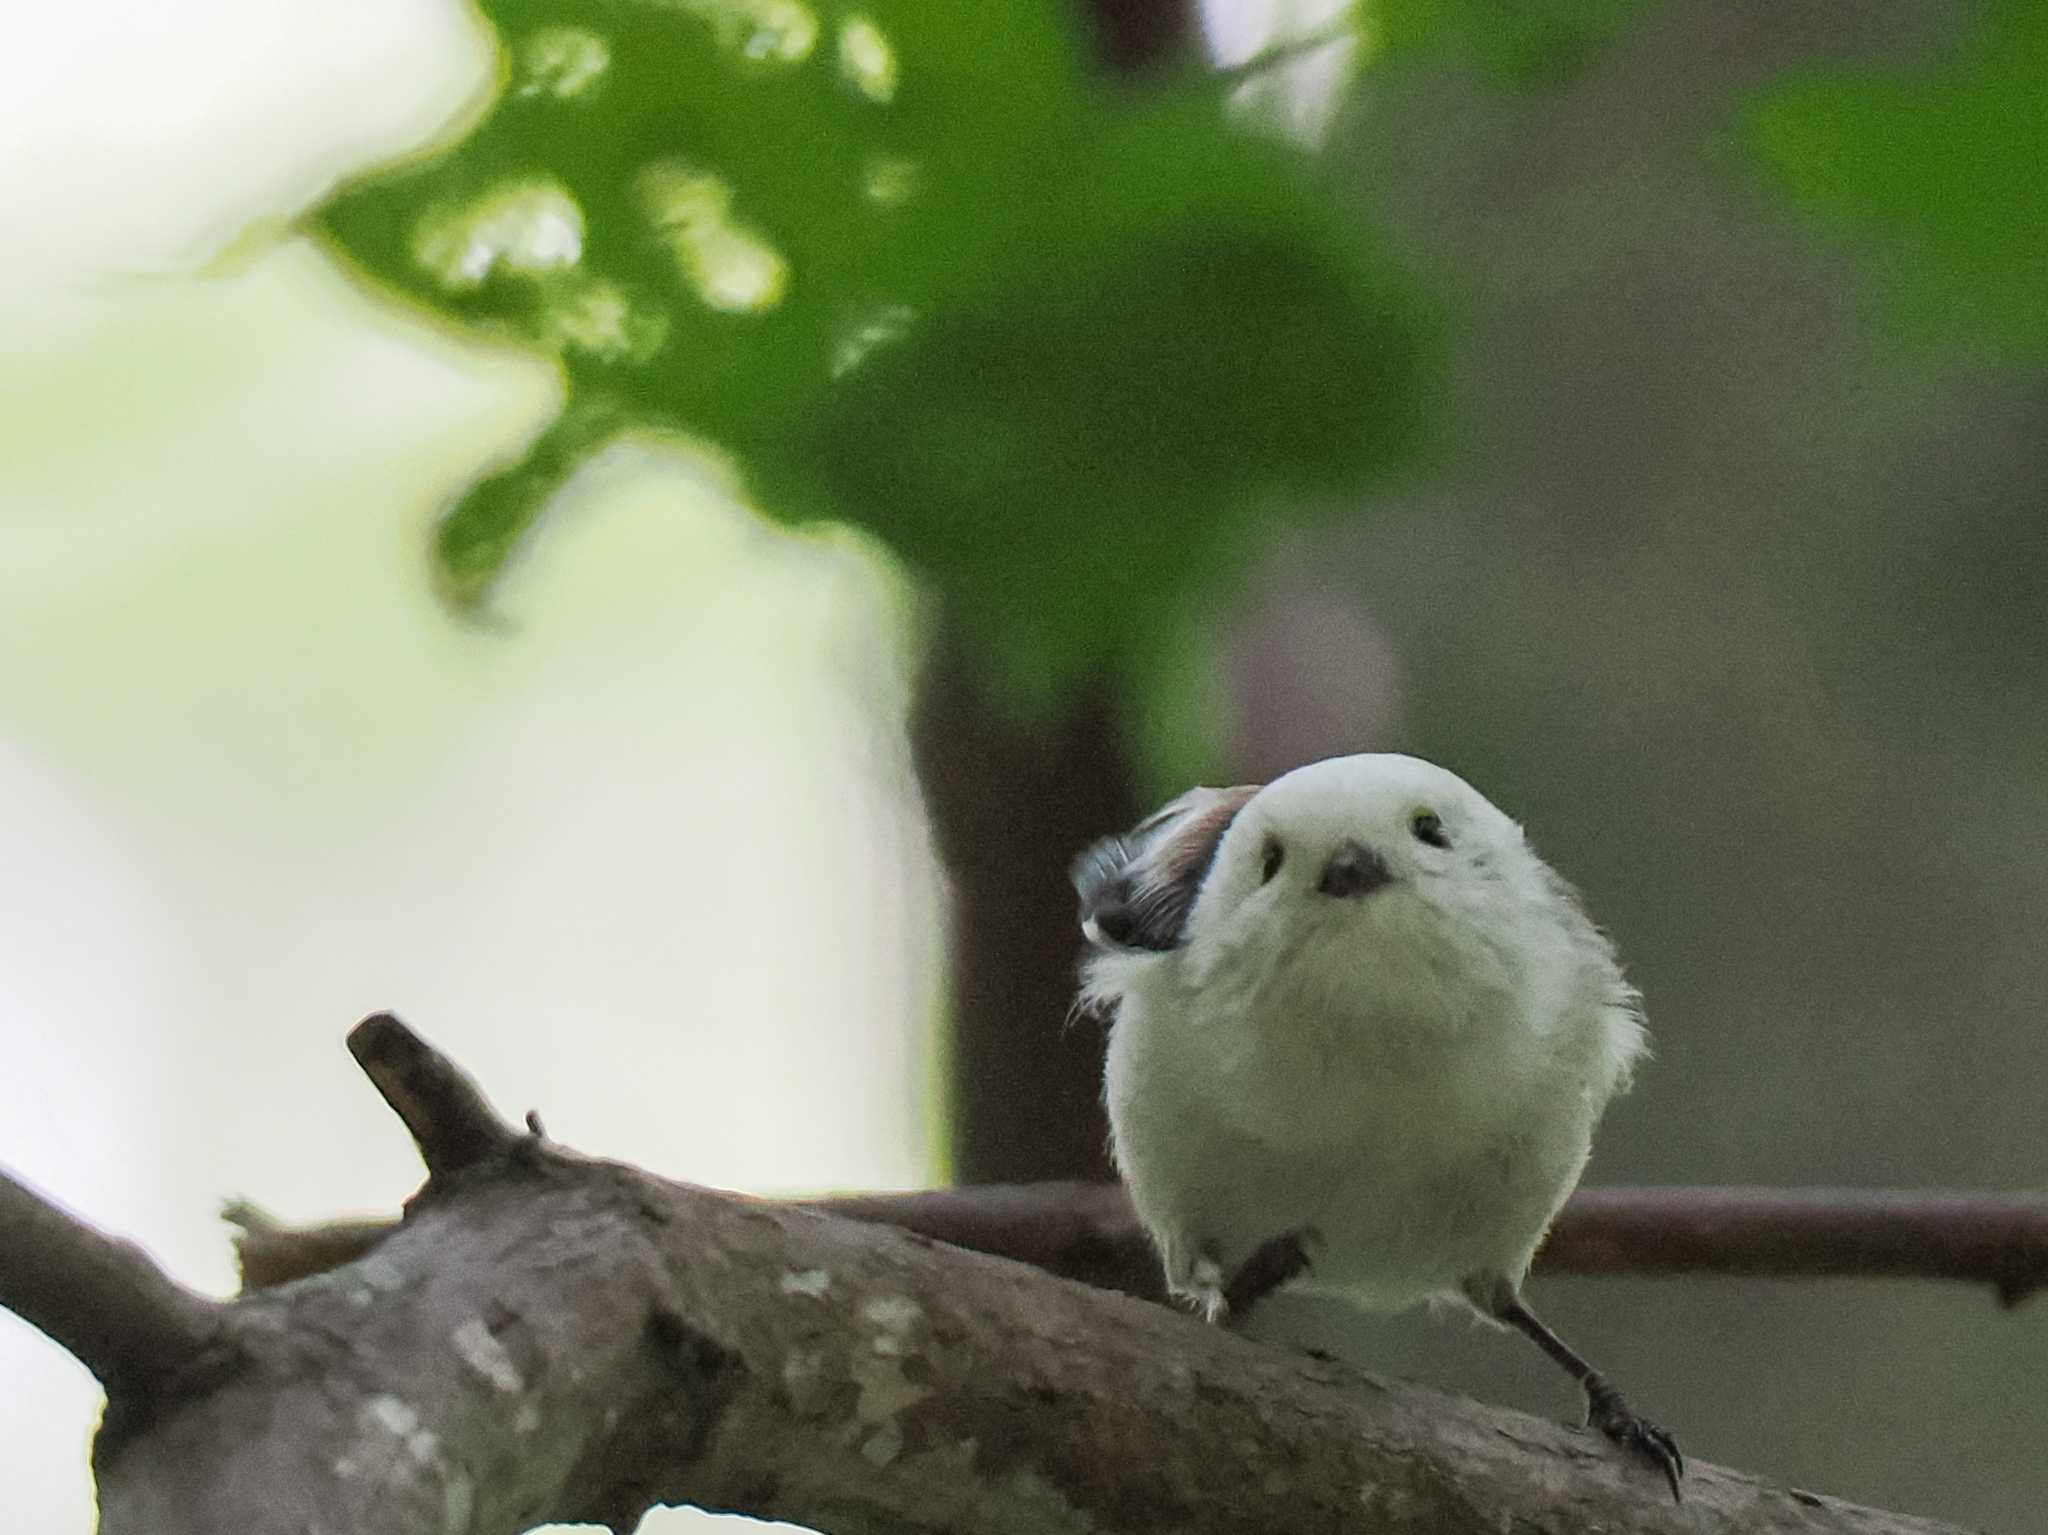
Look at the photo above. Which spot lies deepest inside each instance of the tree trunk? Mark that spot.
(1011, 802)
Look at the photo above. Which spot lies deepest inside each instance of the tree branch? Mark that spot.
(1088, 1231)
(1995, 1239)
(102, 1299)
(450, 1121)
(547, 1338)
(1083, 1231)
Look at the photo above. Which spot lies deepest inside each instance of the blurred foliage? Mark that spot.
(919, 267)
(1521, 43)
(915, 266)
(1945, 174)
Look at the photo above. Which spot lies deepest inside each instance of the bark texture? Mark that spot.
(549, 1338)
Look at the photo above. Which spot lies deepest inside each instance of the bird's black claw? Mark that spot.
(1606, 1411)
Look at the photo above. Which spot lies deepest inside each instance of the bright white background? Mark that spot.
(647, 859)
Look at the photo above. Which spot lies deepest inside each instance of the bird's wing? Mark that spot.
(1137, 889)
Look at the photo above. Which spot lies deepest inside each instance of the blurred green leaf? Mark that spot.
(1945, 176)
(911, 265)
(1082, 455)
(1520, 41)
(483, 531)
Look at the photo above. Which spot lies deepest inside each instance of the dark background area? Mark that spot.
(1740, 603)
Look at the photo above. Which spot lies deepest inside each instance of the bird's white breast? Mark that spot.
(1422, 1100)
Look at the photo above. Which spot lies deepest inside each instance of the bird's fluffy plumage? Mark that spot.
(1410, 1075)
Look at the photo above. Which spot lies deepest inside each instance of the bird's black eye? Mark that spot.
(1276, 855)
(1428, 827)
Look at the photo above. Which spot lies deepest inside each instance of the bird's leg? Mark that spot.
(1272, 1265)
(1605, 1409)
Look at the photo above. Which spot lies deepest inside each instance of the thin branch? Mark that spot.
(1995, 1239)
(1344, 29)
(102, 1299)
(268, 1252)
(450, 1120)
(1083, 1231)
(1088, 1231)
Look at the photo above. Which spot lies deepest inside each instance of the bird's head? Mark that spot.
(1341, 844)
(1326, 843)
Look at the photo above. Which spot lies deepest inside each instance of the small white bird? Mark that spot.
(1361, 1036)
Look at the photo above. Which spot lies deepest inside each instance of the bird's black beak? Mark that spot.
(1354, 870)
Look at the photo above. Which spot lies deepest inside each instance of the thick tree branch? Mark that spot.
(103, 1299)
(546, 1338)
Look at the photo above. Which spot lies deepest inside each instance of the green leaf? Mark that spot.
(480, 534)
(911, 265)
(1072, 461)
(1944, 177)
(1518, 41)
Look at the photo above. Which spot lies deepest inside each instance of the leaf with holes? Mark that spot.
(910, 265)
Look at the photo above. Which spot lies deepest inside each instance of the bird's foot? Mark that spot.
(1606, 1411)
(1205, 1293)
